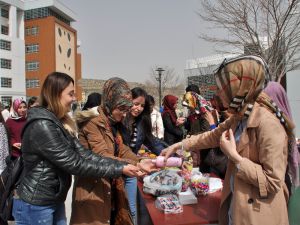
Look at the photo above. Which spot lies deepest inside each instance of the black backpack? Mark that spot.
(10, 178)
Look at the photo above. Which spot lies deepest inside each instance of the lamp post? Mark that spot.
(159, 70)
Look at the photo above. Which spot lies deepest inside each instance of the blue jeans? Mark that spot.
(28, 214)
(131, 189)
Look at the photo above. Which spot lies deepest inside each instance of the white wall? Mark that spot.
(17, 54)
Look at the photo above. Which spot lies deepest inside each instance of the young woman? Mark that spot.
(173, 132)
(104, 201)
(15, 125)
(51, 153)
(255, 142)
(279, 98)
(138, 123)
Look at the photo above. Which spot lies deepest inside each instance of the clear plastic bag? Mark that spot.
(162, 182)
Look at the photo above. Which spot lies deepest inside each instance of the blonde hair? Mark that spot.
(50, 96)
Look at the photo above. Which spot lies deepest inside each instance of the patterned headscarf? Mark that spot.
(116, 93)
(240, 81)
(196, 102)
(169, 102)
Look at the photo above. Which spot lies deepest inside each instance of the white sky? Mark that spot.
(127, 38)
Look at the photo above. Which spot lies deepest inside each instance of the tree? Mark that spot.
(269, 28)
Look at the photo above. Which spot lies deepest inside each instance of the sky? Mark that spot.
(128, 38)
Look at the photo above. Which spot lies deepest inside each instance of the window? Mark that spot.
(31, 48)
(6, 63)
(35, 30)
(4, 13)
(6, 100)
(32, 83)
(44, 12)
(32, 66)
(6, 82)
(27, 31)
(5, 45)
(4, 30)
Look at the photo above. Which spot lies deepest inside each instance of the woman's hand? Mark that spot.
(180, 121)
(228, 146)
(167, 152)
(147, 166)
(132, 171)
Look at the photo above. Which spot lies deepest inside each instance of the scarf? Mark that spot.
(169, 102)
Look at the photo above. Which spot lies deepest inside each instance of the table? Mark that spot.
(205, 212)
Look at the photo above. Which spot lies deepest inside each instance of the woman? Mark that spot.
(103, 201)
(51, 153)
(279, 98)
(139, 132)
(200, 120)
(4, 145)
(173, 131)
(255, 142)
(15, 125)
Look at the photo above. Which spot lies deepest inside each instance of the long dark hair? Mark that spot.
(145, 117)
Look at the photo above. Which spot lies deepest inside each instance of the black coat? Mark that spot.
(56, 155)
(172, 133)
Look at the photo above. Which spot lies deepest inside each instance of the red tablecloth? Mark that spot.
(205, 212)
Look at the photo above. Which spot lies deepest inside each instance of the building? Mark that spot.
(36, 39)
(12, 54)
(50, 44)
(200, 72)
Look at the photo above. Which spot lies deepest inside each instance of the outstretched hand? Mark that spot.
(132, 171)
(167, 152)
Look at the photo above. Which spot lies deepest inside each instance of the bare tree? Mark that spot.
(269, 28)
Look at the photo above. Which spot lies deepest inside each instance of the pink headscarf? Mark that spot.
(16, 103)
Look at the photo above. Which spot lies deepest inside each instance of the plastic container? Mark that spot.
(171, 162)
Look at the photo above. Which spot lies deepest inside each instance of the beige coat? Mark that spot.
(92, 198)
(259, 195)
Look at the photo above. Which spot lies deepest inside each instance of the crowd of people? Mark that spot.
(245, 136)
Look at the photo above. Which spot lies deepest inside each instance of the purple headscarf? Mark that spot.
(278, 95)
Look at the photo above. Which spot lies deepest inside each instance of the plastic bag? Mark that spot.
(162, 182)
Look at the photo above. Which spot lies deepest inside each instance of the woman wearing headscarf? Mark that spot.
(173, 132)
(200, 120)
(280, 100)
(15, 125)
(255, 141)
(104, 201)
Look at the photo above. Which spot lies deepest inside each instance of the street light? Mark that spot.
(159, 70)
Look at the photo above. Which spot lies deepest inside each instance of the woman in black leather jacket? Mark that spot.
(51, 153)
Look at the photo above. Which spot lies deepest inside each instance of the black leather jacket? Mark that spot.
(51, 155)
